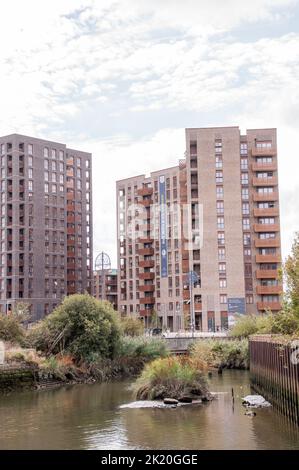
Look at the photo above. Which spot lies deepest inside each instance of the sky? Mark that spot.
(122, 79)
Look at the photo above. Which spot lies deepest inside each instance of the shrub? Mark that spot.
(132, 326)
(231, 354)
(81, 325)
(10, 329)
(284, 322)
(146, 348)
(171, 377)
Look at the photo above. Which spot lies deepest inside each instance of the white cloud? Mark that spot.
(70, 66)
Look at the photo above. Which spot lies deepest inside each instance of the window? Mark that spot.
(246, 239)
(30, 173)
(249, 299)
(219, 177)
(30, 161)
(61, 155)
(222, 283)
(220, 207)
(53, 153)
(243, 148)
(265, 190)
(245, 208)
(78, 161)
(245, 193)
(244, 178)
(247, 252)
(220, 222)
(266, 220)
(221, 238)
(246, 224)
(46, 164)
(30, 185)
(219, 192)
(46, 187)
(219, 161)
(221, 254)
(222, 267)
(223, 299)
(265, 144)
(244, 164)
(46, 152)
(30, 149)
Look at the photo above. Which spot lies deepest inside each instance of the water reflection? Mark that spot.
(89, 417)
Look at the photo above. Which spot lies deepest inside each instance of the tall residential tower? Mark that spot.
(215, 214)
(46, 223)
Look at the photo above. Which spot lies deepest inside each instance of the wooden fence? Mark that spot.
(274, 371)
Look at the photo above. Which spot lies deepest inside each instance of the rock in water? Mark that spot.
(170, 401)
(255, 401)
(185, 399)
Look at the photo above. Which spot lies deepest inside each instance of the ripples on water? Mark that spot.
(91, 417)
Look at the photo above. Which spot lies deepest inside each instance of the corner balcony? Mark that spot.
(146, 202)
(147, 312)
(263, 152)
(274, 306)
(268, 212)
(264, 166)
(267, 242)
(267, 259)
(264, 197)
(266, 227)
(265, 181)
(267, 274)
(264, 290)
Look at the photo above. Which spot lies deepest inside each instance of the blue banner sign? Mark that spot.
(163, 227)
(236, 305)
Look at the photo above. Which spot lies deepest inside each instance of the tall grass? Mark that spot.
(172, 377)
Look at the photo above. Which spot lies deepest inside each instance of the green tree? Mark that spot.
(132, 326)
(82, 326)
(10, 329)
(291, 277)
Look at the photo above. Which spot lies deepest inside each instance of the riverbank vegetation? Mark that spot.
(221, 354)
(82, 340)
(173, 377)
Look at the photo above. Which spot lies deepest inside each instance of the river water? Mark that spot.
(90, 417)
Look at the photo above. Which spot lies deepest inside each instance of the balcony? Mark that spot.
(71, 231)
(71, 219)
(276, 290)
(268, 259)
(145, 251)
(145, 191)
(274, 306)
(147, 276)
(198, 306)
(267, 242)
(264, 197)
(264, 166)
(146, 312)
(266, 227)
(265, 181)
(146, 202)
(147, 300)
(149, 239)
(71, 277)
(147, 288)
(146, 264)
(267, 274)
(263, 152)
(268, 212)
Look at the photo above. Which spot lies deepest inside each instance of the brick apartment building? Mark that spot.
(105, 286)
(46, 223)
(217, 214)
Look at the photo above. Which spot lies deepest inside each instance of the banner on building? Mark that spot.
(236, 305)
(163, 227)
